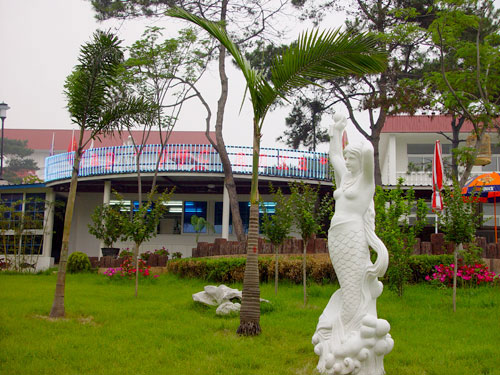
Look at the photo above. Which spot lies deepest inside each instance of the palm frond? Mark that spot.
(88, 86)
(218, 32)
(325, 55)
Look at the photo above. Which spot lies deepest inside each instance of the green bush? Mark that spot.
(228, 270)
(78, 262)
(423, 265)
(318, 268)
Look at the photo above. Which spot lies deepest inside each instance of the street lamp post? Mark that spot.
(3, 114)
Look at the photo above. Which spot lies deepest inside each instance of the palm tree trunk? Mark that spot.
(58, 310)
(250, 302)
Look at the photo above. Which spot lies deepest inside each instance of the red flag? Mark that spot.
(345, 142)
(72, 144)
(437, 178)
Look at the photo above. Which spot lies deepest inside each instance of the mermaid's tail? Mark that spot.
(349, 339)
(350, 257)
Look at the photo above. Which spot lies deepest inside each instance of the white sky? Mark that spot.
(40, 43)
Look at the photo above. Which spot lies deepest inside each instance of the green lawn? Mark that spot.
(108, 331)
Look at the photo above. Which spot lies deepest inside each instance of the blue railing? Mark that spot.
(189, 158)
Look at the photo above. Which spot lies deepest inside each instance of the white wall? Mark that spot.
(401, 155)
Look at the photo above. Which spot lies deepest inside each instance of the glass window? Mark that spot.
(218, 218)
(194, 208)
(34, 210)
(125, 205)
(419, 164)
(413, 149)
(244, 212)
(32, 244)
(13, 207)
(170, 223)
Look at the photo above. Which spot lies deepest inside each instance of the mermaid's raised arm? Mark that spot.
(336, 155)
(368, 164)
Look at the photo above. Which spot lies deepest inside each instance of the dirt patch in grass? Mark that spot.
(85, 320)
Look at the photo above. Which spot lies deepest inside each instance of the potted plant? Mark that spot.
(107, 226)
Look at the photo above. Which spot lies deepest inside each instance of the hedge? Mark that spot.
(318, 267)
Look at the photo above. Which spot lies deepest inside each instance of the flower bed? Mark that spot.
(318, 268)
(128, 271)
(467, 275)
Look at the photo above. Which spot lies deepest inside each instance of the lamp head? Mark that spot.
(3, 110)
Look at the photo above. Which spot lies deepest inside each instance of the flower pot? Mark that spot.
(110, 251)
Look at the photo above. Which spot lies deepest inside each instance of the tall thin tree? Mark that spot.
(92, 107)
(319, 55)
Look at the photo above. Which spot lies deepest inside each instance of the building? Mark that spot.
(191, 165)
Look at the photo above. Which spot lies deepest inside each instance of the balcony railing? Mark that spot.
(424, 178)
(189, 158)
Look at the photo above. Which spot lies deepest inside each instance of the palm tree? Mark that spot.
(92, 107)
(315, 56)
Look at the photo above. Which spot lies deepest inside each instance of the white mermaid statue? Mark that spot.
(349, 338)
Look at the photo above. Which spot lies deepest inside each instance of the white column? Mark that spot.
(392, 167)
(107, 192)
(225, 214)
(48, 225)
(105, 200)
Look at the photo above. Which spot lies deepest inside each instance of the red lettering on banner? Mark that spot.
(240, 159)
(164, 157)
(303, 163)
(110, 160)
(323, 160)
(203, 160)
(254, 250)
(94, 159)
(282, 162)
(82, 160)
(181, 157)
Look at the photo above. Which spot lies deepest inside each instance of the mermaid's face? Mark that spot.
(352, 163)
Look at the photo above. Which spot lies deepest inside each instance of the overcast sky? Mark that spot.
(40, 43)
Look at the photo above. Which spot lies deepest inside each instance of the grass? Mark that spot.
(108, 331)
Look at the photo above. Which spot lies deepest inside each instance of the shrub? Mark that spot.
(125, 253)
(177, 255)
(78, 262)
(145, 256)
(228, 270)
(319, 268)
(423, 265)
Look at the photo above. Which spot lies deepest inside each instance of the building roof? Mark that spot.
(41, 139)
(421, 124)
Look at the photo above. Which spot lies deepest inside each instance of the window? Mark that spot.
(218, 218)
(194, 208)
(32, 244)
(22, 223)
(170, 223)
(13, 208)
(34, 211)
(244, 212)
(420, 156)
